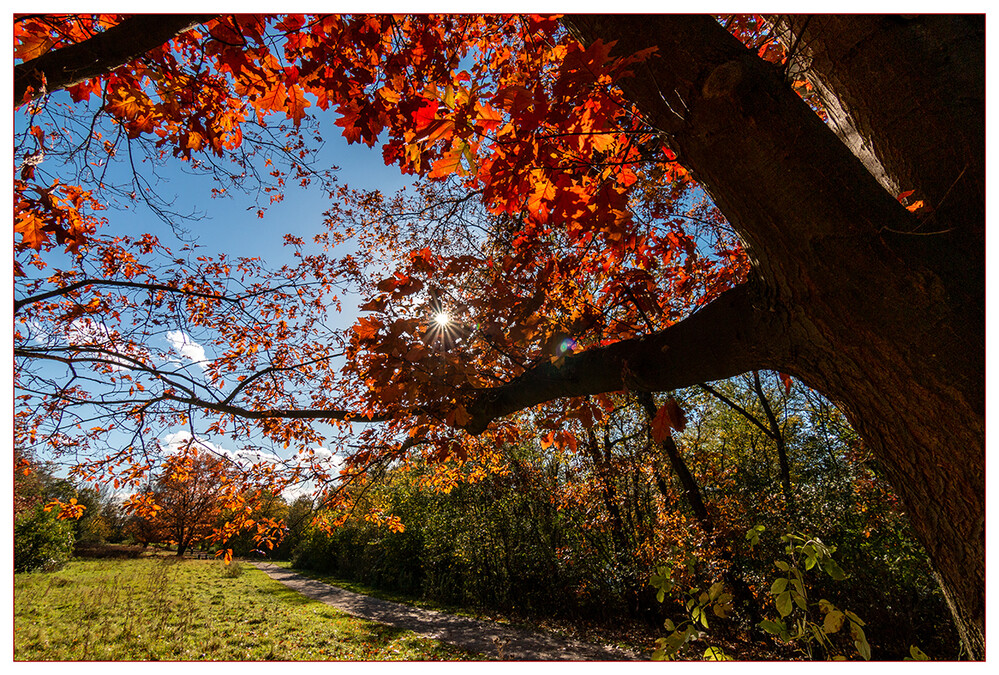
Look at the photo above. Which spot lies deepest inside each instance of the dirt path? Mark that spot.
(485, 637)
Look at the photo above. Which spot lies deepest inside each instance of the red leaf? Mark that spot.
(668, 417)
(424, 115)
(786, 379)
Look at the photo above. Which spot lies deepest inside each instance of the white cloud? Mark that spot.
(87, 332)
(317, 458)
(185, 346)
(178, 440)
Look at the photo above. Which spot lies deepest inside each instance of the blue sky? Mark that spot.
(230, 225)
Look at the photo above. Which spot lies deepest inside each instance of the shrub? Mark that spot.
(41, 541)
(232, 570)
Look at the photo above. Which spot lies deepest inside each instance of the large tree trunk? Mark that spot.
(847, 292)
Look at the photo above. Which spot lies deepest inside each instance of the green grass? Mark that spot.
(187, 610)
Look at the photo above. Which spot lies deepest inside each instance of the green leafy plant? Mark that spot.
(232, 569)
(802, 622)
(42, 541)
(698, 605)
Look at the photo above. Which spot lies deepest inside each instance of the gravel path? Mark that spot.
(485, 637)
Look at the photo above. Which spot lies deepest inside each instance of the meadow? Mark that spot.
(175, 609)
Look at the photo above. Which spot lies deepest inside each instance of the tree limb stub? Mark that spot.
(727, 337)
(100, 54)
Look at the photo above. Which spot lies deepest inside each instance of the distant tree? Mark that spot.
(186, 501)
(27, 483)
(42, 540)
(270, 511)
(43, 529)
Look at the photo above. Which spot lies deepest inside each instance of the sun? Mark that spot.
(442, 319)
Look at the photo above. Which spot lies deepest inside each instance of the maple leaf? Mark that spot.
(668, 417)
(367, 328)
(297, 103)
(448, 164)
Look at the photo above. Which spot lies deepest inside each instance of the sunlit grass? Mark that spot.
(186, 610)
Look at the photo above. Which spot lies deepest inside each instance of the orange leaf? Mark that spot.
(435, 131)
(660, 425)
(367, 328)
(448, 164)
(676, 417)
(542, 194)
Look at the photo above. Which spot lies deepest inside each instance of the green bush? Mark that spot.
(232, 570)
(41, 541)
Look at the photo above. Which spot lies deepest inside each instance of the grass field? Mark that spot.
(171, 609)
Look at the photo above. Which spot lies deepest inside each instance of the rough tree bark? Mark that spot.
(848, 291)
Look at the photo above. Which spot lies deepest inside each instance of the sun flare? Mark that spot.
(442, 319)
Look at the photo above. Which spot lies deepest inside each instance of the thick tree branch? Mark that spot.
(100, 54)
(727, 337)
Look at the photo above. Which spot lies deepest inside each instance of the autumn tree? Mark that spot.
(187, 500)
(848, 253)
